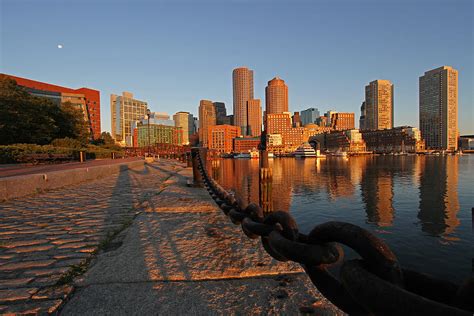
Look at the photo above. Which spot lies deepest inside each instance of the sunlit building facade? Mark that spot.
(309, 116)
(378, 107)
(254, 118)
(342, 121)
(242, 81)
(185, 121)
(276, 97)
(125, 110)
(220, 137)
(207, 118)
(439, 108)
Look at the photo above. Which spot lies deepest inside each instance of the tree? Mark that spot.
(28, 119)
(107, 138)
(24, 118)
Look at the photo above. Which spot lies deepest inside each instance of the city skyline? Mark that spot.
(313, 70)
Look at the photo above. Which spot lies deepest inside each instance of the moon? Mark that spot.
(60, 46)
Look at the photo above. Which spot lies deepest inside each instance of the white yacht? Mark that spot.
(305, 151)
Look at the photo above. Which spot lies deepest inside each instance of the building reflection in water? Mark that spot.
(376, 188)
(439, 203)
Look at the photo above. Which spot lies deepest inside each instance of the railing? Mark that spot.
(374, 284)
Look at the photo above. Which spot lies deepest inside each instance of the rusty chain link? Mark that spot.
(373, 284)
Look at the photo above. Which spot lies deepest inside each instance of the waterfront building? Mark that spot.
(276, 97)
(379, 105)
(342, 121)
(274, 143)
(242, 81)
(254, 117)
(292, 137)
(221, 113)
(86, 99)
(185, 121)
(349, 141)
(398, 139)
(466, 142)
(296, 119)
(207, 118)
(220, 137)
(439, 108)
(309, 116)
(159, 134)
(124, 111)
(245, 144)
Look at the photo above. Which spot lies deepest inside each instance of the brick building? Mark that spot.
(245, 144)
(220, 137)
(394, 140)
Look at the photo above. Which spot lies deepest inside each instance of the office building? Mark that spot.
(254, 118)
(379, 105)
(342, 121)
(185, 121)
(362, 117)
(296, 118)
(124, 111)
(309, 116)
(246, 144)
(242, 80)
(439, 108)
(403, 139)
(220, 137)
(159, 134)
(207, 118)
(276, 97)
(85, 99)
(221, 113)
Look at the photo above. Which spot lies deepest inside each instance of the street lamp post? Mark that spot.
(148, 117)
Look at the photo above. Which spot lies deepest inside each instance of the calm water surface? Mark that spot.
(421, 206)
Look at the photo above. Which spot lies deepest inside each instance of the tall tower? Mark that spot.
(379, 105)
(276, 97)
(254, 117)
(207, 118)
(439, 108)
(242, 81)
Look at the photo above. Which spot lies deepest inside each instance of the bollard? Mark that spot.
(113, 155)
(82, 156)
(195, 151)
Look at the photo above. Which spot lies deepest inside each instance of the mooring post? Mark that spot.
(195, 152)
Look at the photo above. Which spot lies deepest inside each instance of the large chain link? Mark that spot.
(374, 284)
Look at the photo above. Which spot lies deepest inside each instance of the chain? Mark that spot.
(374, 284)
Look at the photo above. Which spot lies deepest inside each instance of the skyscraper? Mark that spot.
(362, 117)
(242, 80)
(276, 97)
(221, 113)
(309, 116)
(186, 122)
(439, 108)
(378, 105)
(207, 118)
(254, 118)
(125, 110)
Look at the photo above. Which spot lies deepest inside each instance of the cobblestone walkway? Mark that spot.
(46, 238)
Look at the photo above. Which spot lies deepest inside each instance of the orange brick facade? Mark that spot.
(242, 144)
(92, 99)
(220, 137)
(342, 121)
(254, 117)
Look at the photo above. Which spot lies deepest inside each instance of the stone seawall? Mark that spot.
(18, 186)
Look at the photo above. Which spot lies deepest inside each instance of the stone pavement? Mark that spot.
(181, 256)
(48, 238)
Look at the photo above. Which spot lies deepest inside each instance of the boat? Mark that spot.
(254, 154)
(339, 154)
(271, 155)
(243, 156)
(305, 151)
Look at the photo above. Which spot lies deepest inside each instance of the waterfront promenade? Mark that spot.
(139, 241)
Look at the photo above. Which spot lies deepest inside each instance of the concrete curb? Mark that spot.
(18, 186)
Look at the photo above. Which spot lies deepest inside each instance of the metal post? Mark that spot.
(82, 156)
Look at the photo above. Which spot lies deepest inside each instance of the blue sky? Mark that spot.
(174, 53)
